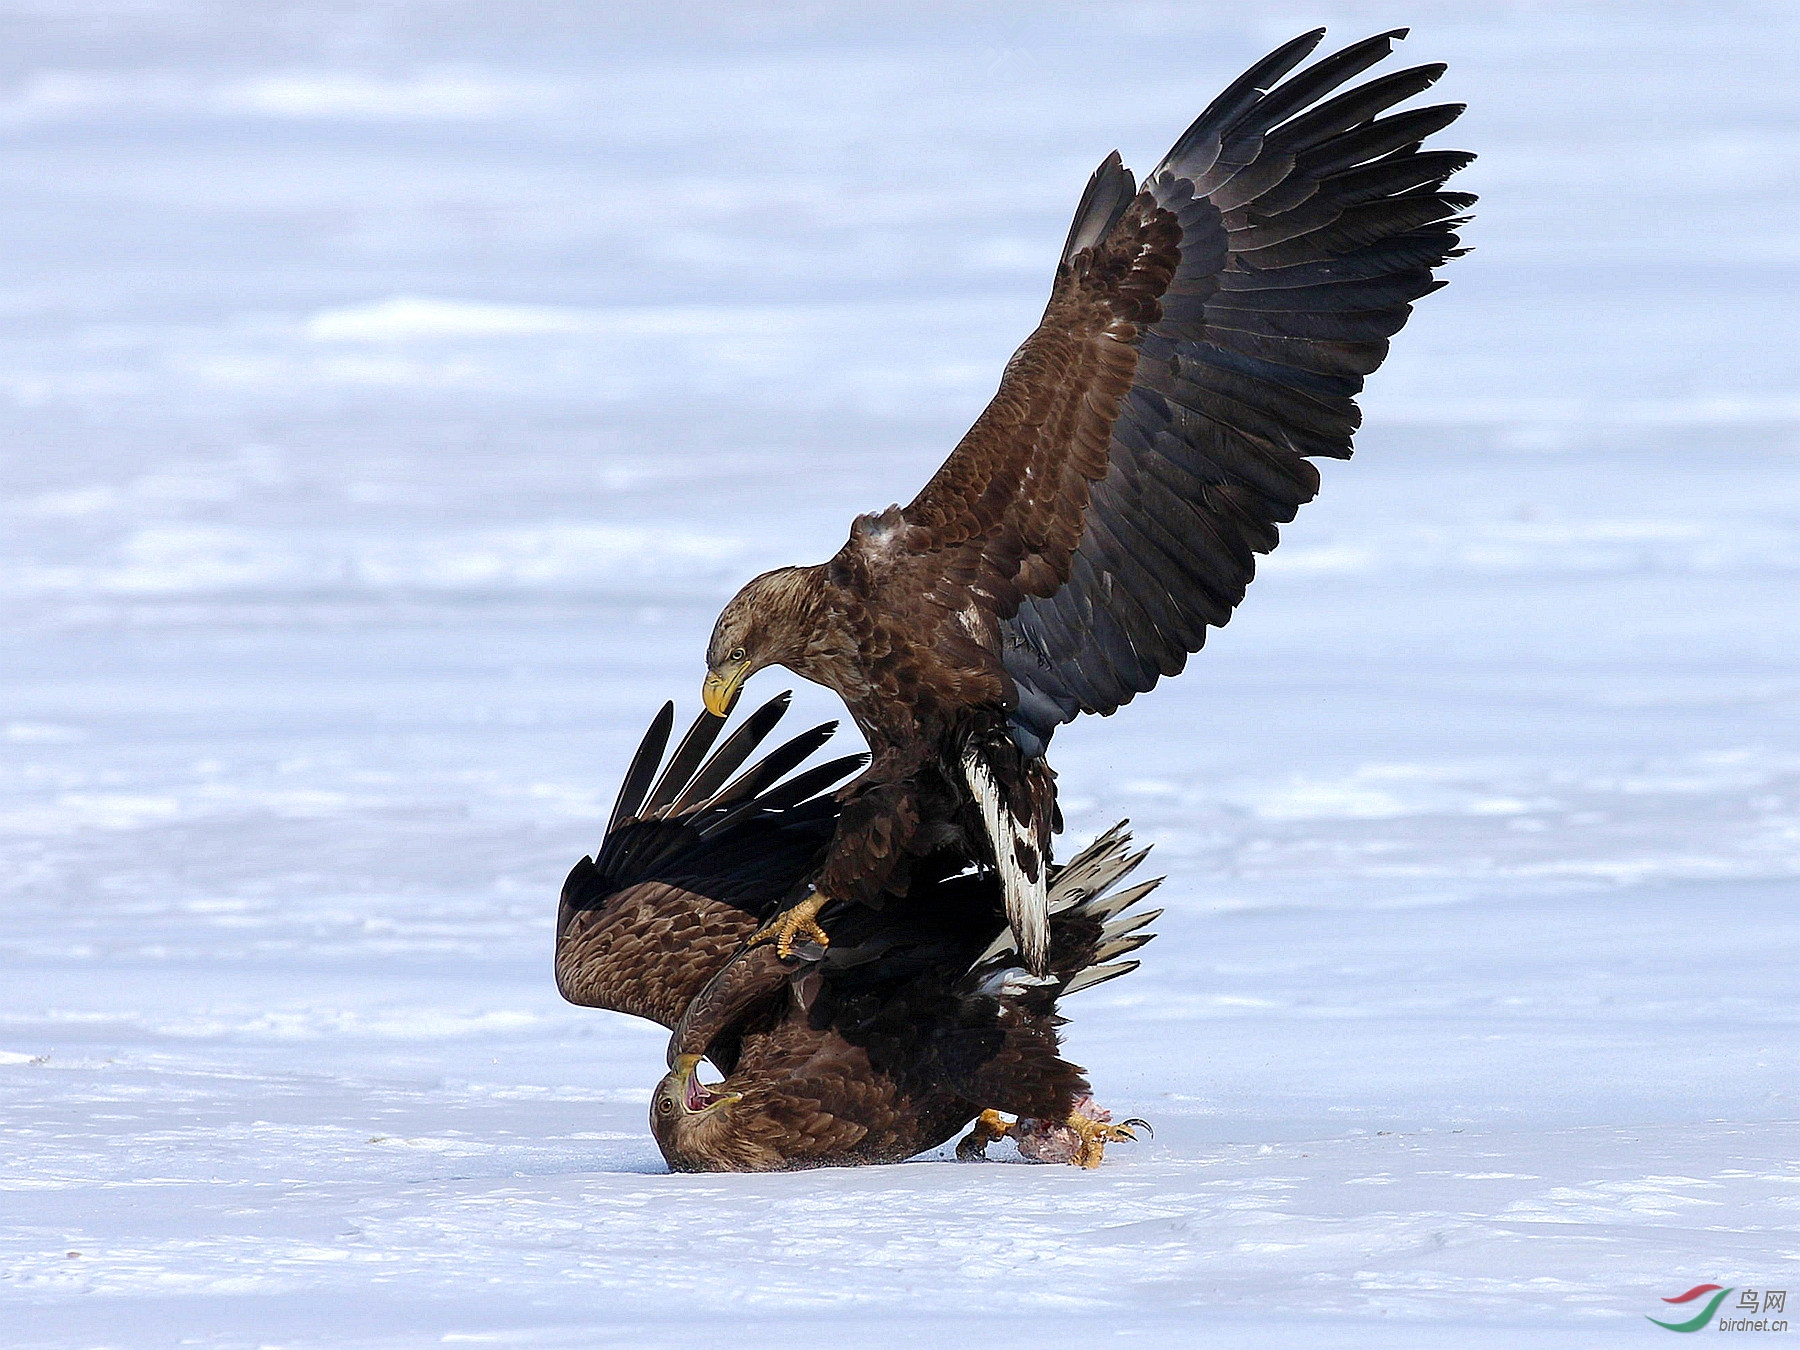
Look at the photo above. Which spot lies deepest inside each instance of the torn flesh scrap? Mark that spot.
(1052, 1141)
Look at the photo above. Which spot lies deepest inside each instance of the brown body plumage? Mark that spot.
(917, 1018)
(1204, 336)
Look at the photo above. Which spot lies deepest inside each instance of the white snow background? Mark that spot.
(391, 393)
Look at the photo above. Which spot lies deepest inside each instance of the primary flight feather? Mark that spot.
(1206, 335)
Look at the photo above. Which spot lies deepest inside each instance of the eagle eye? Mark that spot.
(664, 1105)
(737, 654)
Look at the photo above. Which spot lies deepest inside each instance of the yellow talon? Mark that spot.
(1096, 1135)
(988, 1127)
(802, 921)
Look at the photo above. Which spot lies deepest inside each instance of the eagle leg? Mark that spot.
(1097, 1134)
(989, 1126)
(790, 926)
(1079, 1138)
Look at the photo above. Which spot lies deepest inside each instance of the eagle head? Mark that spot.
(691, 1121)
(771, 622)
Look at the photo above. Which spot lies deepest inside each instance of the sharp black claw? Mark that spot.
(1140, 1123)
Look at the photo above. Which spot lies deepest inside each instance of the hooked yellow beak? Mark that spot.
(720, 691)
(695, 1097)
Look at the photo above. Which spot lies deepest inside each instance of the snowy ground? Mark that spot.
(389, 395)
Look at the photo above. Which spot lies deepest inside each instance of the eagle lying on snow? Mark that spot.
(1206, 334)
(918, 1019)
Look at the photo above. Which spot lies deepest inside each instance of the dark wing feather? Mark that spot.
(643, 767)
(687, 758)
(738, 747)
(1203, 339)
(667, 900)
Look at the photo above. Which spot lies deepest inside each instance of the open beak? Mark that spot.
(720, 692)
(695, 1095)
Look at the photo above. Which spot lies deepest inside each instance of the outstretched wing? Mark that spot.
(692, 863)
(1204, 337)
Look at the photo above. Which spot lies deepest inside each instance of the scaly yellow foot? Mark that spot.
(1097, 1134)
(802, 921)
(989, 1126)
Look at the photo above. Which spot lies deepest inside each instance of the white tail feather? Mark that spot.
(1120, 946)
(1002, 943)
(1130, 923)
(1083, 885)
(1094, 975)
(1095, 868)
(1083, 881)
(1011, 981)
(1027, 900)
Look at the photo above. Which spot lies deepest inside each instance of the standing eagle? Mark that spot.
(1206, 334)
(916, 1021)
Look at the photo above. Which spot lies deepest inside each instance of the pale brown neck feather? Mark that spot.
(805, 620)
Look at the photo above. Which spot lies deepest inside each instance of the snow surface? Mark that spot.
(391, 393)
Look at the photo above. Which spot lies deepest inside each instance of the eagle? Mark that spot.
(1206, 335)
(918, 1020)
